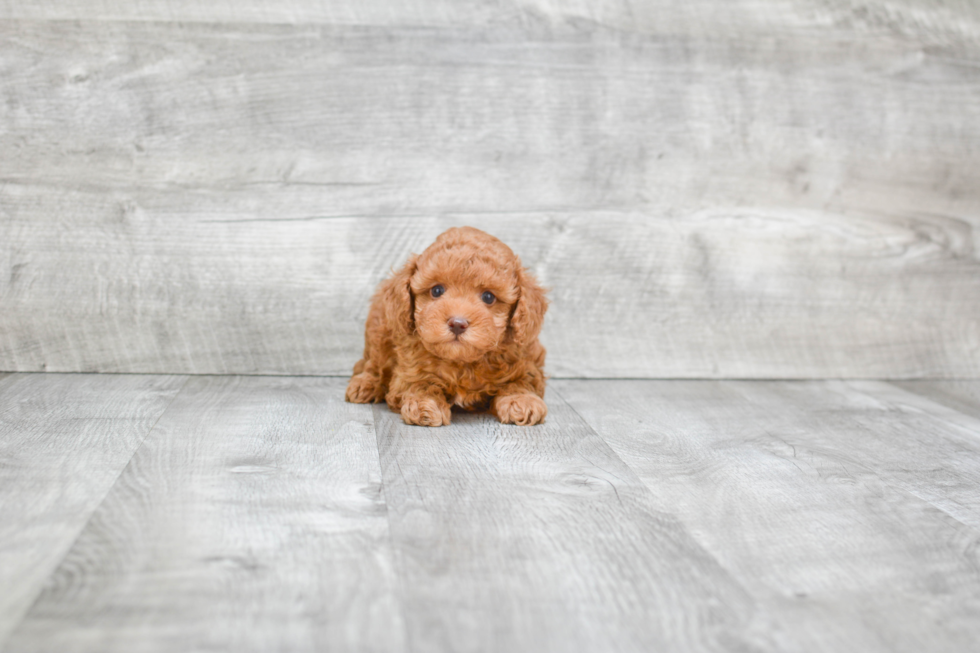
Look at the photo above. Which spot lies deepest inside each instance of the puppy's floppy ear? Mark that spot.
(528, 315)
(396, 296)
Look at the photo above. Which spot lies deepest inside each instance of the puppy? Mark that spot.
(459, 326)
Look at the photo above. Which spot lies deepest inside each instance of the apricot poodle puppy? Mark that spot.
(457, 325)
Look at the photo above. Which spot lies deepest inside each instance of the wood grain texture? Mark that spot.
(922, 448)
(940, 21)
(960, 395)
(794, 199)
(677, 515)
(64, 439)
(251, 519)
(632, 295)
(403, 120)
(540, 539)
(849, 515)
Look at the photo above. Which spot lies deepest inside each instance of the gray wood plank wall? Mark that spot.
(719, 189)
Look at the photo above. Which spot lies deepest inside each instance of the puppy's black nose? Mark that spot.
(457, 325)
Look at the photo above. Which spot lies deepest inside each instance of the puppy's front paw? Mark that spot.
(525, 410)
(364, 389)
(425, 411)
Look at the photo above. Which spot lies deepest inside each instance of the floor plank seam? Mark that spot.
(95, 509)
(961, 419)
(895, 484)
(605, 442)
(706, 550)
(395, 558)
(755, 514)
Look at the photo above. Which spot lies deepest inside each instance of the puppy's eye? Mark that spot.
(488, 297)
(437, 290)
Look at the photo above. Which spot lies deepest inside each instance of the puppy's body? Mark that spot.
(457, 325)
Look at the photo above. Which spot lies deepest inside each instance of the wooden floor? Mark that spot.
(175, 513)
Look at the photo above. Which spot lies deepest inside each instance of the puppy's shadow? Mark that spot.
(482, 422)
(473, 419)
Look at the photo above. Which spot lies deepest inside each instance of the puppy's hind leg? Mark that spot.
(369, 383)
(367, 386)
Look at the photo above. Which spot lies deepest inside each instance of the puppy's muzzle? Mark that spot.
(457, 325)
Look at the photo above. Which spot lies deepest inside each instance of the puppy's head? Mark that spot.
(466, 295)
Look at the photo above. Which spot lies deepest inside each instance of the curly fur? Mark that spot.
(414, 361)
